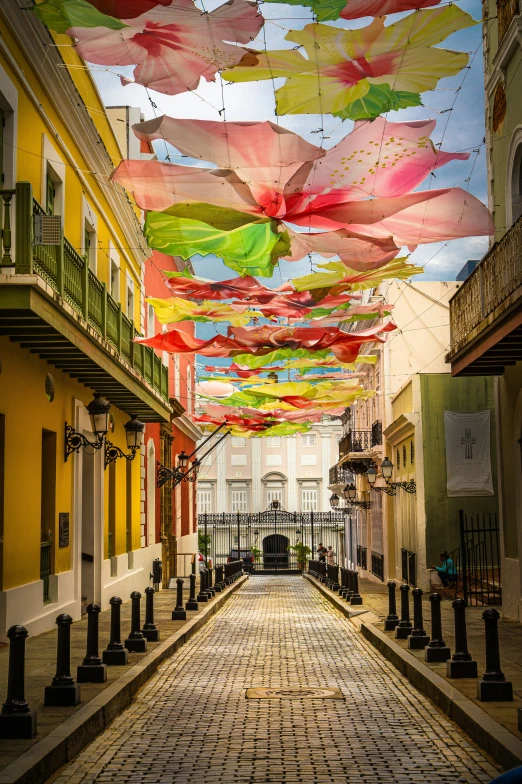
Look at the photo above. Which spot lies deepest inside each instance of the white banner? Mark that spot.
(468, 458)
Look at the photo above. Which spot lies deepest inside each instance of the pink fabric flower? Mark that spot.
(173, 46)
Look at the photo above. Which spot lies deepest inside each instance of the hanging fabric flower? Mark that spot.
(329, 10)
(365, 185)
(359, 74)
(172, 46)
(175, 309)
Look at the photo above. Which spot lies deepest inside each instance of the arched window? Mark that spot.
(516, 185)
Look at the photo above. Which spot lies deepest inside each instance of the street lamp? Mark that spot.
(350, 493)
(387, 469)
(334, 501)
(371, 474)
(134, 430)
(391, 487)
(183, 460)
(99, 411)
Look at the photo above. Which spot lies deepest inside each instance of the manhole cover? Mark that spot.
(295, 693)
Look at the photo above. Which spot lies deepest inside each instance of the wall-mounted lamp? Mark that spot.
(334, 501)
(350, 493)
(99, 410)
(390, 488)
(180, 472)
(134, 430)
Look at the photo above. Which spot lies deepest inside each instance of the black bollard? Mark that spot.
(493, 686)
(115, 653)
(210, 590)
(135, 642)
(392, 620)
(17, 720)
(437, 650)
(149, 629)
(192, 603)
(202, 595)
(63, 690)
(343, 585)
(355, 598)
(179, 613)
(92, 670)
(349, 582)
(404, 627)
(218, 579)
(418, 639)
(461, 665)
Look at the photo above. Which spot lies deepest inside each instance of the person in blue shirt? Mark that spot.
(446, 571)
(513, 776)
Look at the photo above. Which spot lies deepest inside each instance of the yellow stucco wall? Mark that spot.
(27, 412)
(35, 125)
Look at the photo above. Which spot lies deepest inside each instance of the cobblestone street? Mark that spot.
(192, 723)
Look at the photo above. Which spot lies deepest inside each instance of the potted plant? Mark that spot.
(302, 551)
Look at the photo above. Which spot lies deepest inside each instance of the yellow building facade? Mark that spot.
(71, 297)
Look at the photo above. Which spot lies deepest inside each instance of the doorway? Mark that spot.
(275, 551)
(88, 518)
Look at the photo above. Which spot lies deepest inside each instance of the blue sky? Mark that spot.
(462, 128)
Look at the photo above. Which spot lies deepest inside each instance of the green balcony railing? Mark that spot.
(68, 273)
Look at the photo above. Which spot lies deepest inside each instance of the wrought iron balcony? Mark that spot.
(65, 275)
(355, 441)
(377, 433)
(340, 475)
(482, 303)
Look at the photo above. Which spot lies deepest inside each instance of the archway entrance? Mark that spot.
(275, 551)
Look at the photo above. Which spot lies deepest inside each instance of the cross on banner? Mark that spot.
(468, 440)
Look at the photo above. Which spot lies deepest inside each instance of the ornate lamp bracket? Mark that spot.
(112, 453)
(75, 441)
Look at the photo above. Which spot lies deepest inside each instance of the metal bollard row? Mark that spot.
(493, 686)
(343, 581)
(233, 570)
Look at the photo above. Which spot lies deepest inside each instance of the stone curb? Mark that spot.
(502, 745)
(67, 740)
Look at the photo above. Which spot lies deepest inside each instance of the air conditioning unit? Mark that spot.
(47, 230)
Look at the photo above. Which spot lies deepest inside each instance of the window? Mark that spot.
(89, 245)
(238, 442)
(308, 439)
(115, 272)
(189, 390)
(204, 500)
(240, 500)
(151, 328)
(309, 499)
(273, 442)
(273, 494)
(129, 302)
(398, 459)
(404, 455)
(50, 195)
(412, 452)
(516, 185)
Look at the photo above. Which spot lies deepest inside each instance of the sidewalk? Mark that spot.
(375, 598)
(41, 664)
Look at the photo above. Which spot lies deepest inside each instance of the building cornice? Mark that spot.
(402, 427)
(34, 39)
(510, 42)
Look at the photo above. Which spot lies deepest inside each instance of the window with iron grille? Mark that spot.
(404, 455)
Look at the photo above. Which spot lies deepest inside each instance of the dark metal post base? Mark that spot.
(218, 588)
(202, 597)
(139, 645)
(191, 605)
(417, 642)
(433, 655)
(151, 635)
(494, 691)
(355, 599)
(18, 726)
(390, 624)
(179, 615)
(116, 657)
(91, 673)
(62, 695)
(403, 632)
(461, 669)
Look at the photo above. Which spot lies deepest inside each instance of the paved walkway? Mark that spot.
(192, 723)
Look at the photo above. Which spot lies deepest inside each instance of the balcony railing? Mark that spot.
(506, 12)
(68, 273)
(497, 276)
(355, 441)
(377, 433)
(339, 475)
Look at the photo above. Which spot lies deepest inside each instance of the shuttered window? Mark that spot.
(240, 500)
(309, 500)
(204, 501)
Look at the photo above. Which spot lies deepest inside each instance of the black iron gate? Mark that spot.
(477, 560)
(273, 538)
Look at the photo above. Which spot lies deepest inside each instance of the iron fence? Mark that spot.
(378, 565)
(377, 433)
(477, 560)
(362, 557)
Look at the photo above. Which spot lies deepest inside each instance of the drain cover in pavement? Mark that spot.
(295, 693)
